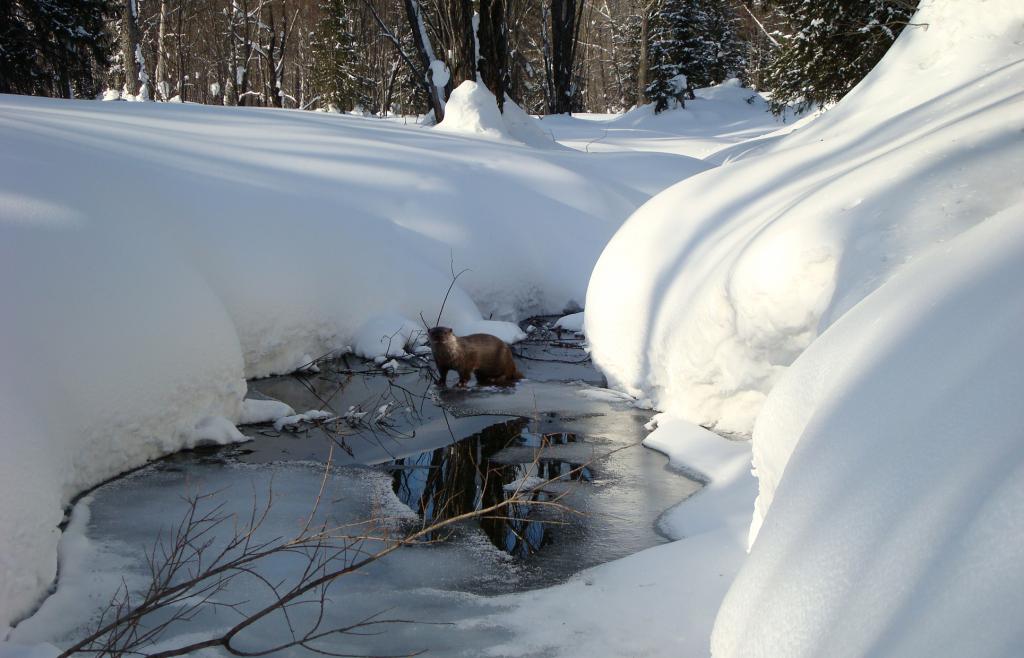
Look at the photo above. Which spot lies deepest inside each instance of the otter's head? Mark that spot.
(441, 335)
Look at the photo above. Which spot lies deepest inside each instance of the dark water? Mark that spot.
(449, 452)
(398, 447)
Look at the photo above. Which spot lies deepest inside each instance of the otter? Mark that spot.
(486, 355)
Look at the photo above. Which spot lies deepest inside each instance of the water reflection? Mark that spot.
(463, 477)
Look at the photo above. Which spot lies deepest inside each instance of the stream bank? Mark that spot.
(402, 450)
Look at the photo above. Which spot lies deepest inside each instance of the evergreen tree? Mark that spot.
(339, 74)
(828, 46)
(625, 60)
(726, 51)
(693, 43)
(53, 47)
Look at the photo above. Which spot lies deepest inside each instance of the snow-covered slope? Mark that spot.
(720, 116)
(716, 285)
(152, 256)
(853, 288)
(898, 526)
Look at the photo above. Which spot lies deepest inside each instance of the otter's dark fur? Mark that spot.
(486, 355)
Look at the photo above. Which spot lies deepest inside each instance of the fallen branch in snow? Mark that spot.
(595, 140)
(541, 332)
(376, 417)
(191, 572)
(520, 355)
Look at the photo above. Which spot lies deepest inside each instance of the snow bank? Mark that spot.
(851, 293)
(473, 110)
(153, 256)
(263, 411)
(897, 529)
(114, 351)
(572, 322)
(716, 285)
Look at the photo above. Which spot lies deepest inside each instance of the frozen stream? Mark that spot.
(437, 456)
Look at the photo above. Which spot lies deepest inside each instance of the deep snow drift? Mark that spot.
(153, 256)
(716, 285)
(853, 288)
(896, 529)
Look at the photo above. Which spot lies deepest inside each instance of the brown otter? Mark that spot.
(486, 355)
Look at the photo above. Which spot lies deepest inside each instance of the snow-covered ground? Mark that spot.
(620, 496)
(846, 289)
(720, 116)
(850, 294)
(153, 256)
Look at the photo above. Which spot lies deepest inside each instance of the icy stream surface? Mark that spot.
(434, 455)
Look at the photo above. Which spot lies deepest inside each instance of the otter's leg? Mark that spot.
(484, 380)
(464, 377)
(444, 377)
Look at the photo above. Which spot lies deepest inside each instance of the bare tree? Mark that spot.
(136, 82)
(565, 17)
(429, 63)
(278, 29)
(162, 87)
(239, 34)
(455, 23)
(645, 39)
(493, 35)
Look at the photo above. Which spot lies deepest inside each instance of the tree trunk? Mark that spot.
(130, 44)
(275, 57)
(162, 86)
(180, 52)
(564, 34)
(641, 74)
(241, 50)
(493, 35)
(462, 43)
(425, 53)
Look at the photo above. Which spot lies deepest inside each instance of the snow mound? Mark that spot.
(850, 292)
(896, 529)
(263, 411)
(716, 285)
(113, 351)
(472, 109)
(216, 431)
(525, 128)
(572, 322)
(386, 335)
